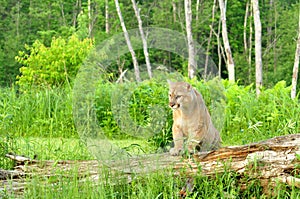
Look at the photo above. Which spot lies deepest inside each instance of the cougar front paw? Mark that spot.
(174, 151)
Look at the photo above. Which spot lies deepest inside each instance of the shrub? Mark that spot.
(54, 65)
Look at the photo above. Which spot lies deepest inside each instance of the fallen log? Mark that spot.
(270, 161)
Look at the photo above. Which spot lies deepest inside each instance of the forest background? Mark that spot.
(29, 23)
(44, 43)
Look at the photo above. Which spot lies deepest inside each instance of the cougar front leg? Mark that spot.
(195, 141)
(178, 141)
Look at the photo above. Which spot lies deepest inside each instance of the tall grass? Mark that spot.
(48, 112)
(162, 184)
(41, 113)
(40, 122)
(250, 118)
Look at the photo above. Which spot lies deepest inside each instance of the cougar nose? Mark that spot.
(171, 104)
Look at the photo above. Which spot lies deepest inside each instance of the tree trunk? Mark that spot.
(229, 61)
(63, 14)
(270, 161)
(220, 51)
(258, 57)
(275, 38)
(191, 47)
(18, 20)
(245, 28)
(90, 18)
(296, 65)
(250, 45)
(197, 11)
(135, 63)
(107, 26)
(270, 23)
(174, 10)
(145, 46)
(209, 39)
(75, 13)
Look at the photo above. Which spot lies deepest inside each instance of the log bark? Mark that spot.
(269, 161)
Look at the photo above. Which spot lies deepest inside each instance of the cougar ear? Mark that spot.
(188, 87)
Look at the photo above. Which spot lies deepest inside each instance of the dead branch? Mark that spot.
(269, 161)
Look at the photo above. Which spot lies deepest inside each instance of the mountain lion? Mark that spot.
(191, 120)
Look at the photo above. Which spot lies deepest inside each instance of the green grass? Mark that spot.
(161, 184)
(40, 113)
(39, 124)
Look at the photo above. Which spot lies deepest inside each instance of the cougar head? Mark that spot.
(179, 94)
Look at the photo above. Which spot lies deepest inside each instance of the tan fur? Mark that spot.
(191, 120)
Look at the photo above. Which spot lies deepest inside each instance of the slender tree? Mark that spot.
(191, 46)
(134, 59)
(76, 11)
(197, 10)
(90, 18)
(296, 64)
(174, 10)
(229, 61)
(245, 28)
(250, 44)
(107, 26)
(258, 56)
(145, 46)
(209, 38)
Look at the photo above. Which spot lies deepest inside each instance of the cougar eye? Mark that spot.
(178, 96)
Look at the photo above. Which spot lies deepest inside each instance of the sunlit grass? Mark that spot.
(39, 125)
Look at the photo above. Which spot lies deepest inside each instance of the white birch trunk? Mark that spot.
(191, 48)
(296, 65)
(258, 56)
(197, 11)
(145, 46)
(245, 28)
(135, 63)
(90, 18)
(229, 61)
(250, 44)
(107, 27)
(174, 10)
(209, 39)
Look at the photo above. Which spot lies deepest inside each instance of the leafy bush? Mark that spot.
(244, 117)
(139, 100)
(250, 119)
(54, 65)
(134, 113)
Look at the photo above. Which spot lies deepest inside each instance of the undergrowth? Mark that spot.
(39, 123)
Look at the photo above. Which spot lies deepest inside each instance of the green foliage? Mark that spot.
(47, 114)
(246, 118)
(27, 22)
(157, 184)
(249, 119)
(54, 65)
(43, 113)
(140, 101)
(7, 145)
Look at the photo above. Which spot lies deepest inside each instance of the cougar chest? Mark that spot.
(182, 122)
